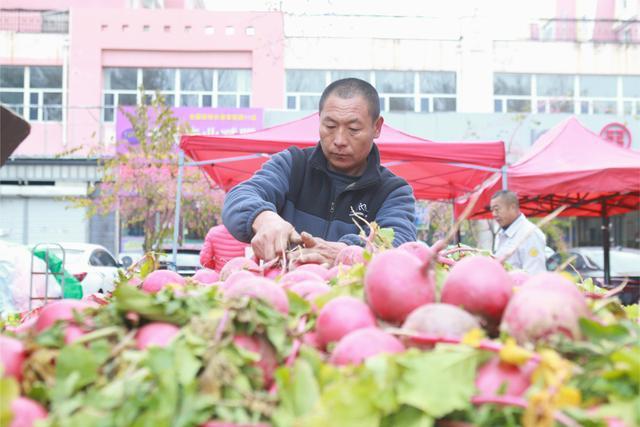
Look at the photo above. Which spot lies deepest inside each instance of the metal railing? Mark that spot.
(587, 30)
(34, 21)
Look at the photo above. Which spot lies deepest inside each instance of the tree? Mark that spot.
(140, 180)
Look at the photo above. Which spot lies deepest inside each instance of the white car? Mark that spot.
(93, 265)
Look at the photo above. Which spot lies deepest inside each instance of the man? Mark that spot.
(517, 234)
(308, 196)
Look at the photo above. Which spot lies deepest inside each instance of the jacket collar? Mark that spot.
(511, 230)
(370, 175)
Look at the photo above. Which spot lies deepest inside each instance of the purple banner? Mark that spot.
(203, 121)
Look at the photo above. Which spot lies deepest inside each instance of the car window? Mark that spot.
(100, 258)
(580, 263)
(624, 262)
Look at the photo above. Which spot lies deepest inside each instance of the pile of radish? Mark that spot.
(238, 337)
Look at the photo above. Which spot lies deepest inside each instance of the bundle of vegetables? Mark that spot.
(412, 336)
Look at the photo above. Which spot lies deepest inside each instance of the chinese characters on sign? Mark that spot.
(617, 133)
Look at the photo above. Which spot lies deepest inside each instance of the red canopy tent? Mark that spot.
(435, 170)
(570, 165)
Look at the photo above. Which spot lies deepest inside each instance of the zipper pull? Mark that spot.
(332, 208)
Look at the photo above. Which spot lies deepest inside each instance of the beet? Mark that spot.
(156, 334)
(396, 283)
(440, 320)
(12, 357)
(361, 344)
(340, 316)
(158, 279)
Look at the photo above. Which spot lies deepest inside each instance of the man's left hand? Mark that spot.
(316, 251)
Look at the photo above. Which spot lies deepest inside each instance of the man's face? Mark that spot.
(502, 212)
(347, 133)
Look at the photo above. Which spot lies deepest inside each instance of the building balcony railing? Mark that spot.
(587, 30)
(34, 21)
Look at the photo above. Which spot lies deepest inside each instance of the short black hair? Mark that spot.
(350, 87)
(509, 196)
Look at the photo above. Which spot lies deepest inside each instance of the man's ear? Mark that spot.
(378, 126)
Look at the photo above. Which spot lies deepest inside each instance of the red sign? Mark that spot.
(617, 133)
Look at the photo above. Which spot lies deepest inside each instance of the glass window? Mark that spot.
(52, 106)
(343, 74)
(34, 103)
(400, 104)
(109, 99)
(121, 78)
(12, 100)
(424, 105)
(631, 86)
(444, 104)
(226, 100)
(305, 81)
(234, 80)
(518, 105)
(127, 99)
(309, 102)
(11, 77)
(245, 101)
(437, 82)
(554, 85)
(604, 107)
(497, 105)
(158, 78)
(291, 102)
(584, 107)
(561, 106)
(207, 100)
(394, 81)
(46, 77)
(600, 86)
(511, 84)
(196, 79)
(189, 100)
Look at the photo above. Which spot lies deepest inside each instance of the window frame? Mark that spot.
(36, 112)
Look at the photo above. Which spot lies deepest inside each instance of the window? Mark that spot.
(100, 258)
(512, 93)
(555, 93)
(422, 91)
(37, 88)
(181, 87)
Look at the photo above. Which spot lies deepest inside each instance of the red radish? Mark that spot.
(334, 271)
(26, 412)
(360, 344)
(419, 249)
(310, 289)
(236, 264)
(311, 339)
(72, 333)
(156, 334)
(296, 276)
(519, 277)
(396, 283)
(340, 316)
(272, 273)
(206, 276)
(440, 320)
(262, 288)
(350, 255)
(493, 374)
(12, 357)
(238, 277)
(268, 359)
(480, 285)
(158, 279)
(547, 304)
(60, 310)
(314, 268)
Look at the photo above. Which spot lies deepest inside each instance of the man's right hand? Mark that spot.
(272, 236)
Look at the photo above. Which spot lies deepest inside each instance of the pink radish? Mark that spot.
(12, 357)
(340, 316)
(60, 310)
(481, 286)
(72, 333)
(268, 359)
(361, 344)
(296, 276)
(158, 279)
(396, 283)
(493, 374)
(334, 271)
(314, 268)
(419, 249)
(156, 334)
(441, 320)
(26, 412)
(519, 277)
(238, 277)
(262, 288)
(310, 289)
(547, 304)
(350, 255)
(236, 264)
(311, 339)
(206, 276)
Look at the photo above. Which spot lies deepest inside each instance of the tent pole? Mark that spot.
(605, 243)
(453, 220)
(504, 177)
(176, 220)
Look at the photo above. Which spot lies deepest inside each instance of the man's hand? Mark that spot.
(272, 236)
(316, 251)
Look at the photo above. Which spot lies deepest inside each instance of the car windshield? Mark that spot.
(182, 259)
(621, 262)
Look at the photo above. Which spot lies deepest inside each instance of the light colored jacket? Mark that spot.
(530, 241)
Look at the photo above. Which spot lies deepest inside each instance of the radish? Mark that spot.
(12, 357)
(547, 304)
(314, 268)
(493, 374)
(262, 288)
(440, 320)
(311, 339)
(297, 276)
(236, 264)
(156, 334)
(268, 360)
(340, 316)
(238, 277)
(206, 276)
(519, 277)
(60, 310)
(272, 273)
(26, 412)
(481, 286)
(396, 283)
(310, 289)
(72, 333)
(158, 279)
(334, 271)
(350, 255)
(360, 344)
(419, 249)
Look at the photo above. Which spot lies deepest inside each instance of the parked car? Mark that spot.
(624, 265)
(187, 260)
(93, 265)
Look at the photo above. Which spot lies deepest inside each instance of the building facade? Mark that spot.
(502, 70)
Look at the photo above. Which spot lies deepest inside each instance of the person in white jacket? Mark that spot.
(517, 236)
